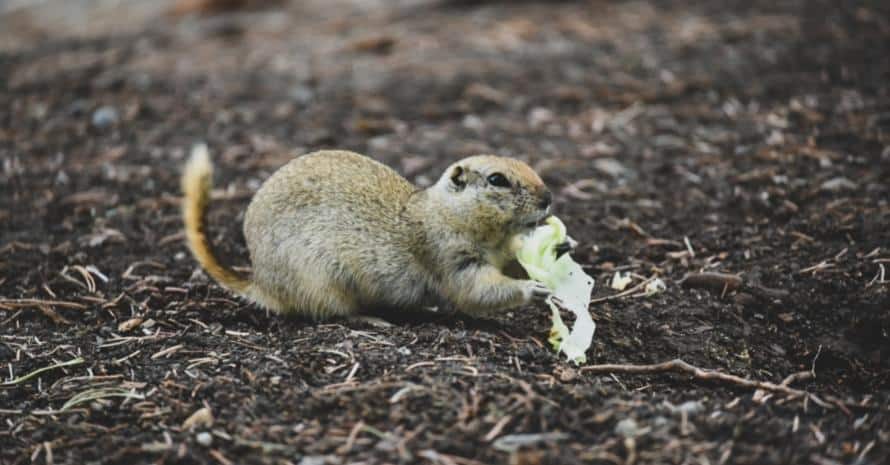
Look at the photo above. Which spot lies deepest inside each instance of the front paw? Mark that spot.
(535, 292)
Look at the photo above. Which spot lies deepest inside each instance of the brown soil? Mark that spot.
(756, 131)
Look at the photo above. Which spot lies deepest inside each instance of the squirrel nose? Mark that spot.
(546, 200)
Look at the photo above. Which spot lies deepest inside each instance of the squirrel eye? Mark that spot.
(499, 180)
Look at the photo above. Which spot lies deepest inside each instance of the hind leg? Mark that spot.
(298, 275)
(321, 302)
(331, 303)
(305, 294)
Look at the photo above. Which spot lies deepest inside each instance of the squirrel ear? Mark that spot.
(458, 178)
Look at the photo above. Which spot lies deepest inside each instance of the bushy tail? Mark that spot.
(196, 183)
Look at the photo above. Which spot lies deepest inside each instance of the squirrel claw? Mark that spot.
(537, 292)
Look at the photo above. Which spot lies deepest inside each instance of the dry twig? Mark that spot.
(680, 366)
(720, 282)
(16, 303)
(634, 292)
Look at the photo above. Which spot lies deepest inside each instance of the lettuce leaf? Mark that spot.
(567, 281)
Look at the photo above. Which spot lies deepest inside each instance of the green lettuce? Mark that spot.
(568, 283)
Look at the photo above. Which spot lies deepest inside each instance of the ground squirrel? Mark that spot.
(334, 232)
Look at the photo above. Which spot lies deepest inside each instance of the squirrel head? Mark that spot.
(493, 196)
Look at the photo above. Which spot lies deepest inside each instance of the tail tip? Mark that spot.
(199, 159)
(198, 169)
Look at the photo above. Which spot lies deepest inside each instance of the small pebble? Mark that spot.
(539, 116)
(473, 122)
(838, 184)
(379, 143)
(775, 138)
(610, 166)
(690, 407)
(627, 428)
(204, 438)
(104, 117)
(669, 142)
(314, 460)
(514, 442)
(62, 178)
(301, 94)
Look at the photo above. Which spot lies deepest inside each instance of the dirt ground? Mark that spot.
(744, 137)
